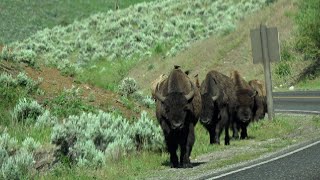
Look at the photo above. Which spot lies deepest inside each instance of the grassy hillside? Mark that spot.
(157, 28)
(21, 19)
(233, 52)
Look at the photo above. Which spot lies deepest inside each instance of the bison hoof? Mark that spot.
(187, 165)
(243, 137)
(174, 165)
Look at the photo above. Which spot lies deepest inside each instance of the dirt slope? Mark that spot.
(53, 83)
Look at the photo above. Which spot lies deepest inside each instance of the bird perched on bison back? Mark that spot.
(244, 109)
(178, 107)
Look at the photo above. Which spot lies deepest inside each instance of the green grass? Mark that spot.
(264, 137)
(106, 74)
(313, 84)
(20, 19)
(20, 132)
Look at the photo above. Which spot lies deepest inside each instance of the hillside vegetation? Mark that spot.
(96, 120)
(21, 19)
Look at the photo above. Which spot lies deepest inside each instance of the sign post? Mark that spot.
(265, 48)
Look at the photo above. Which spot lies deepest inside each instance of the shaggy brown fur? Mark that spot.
(156, 84)
(260, 103)
(218, 105)
(244, 112)
(177, 109)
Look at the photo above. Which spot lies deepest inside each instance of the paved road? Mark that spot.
(302, 163)
(297, 101)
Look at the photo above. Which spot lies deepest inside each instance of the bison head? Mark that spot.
(208, 107)
(245, 104)
(176, 106)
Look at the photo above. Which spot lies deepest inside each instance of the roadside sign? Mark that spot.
(272, 45)
(265, 48)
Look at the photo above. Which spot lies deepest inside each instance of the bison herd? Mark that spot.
(219, 102)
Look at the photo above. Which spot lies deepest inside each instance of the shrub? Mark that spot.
(7, 80)
(308, 39)
(25, 81)
(146, 134)
(283, 69)
(11, 88)
(85, 138)
(116, 35)
(128, 86)
(25, 55)
(102, 129)
(18, 166)
(46, 119)
(16, 162)
(68, 102)
(286, 54)
(6, 54)
(67, 68)
(27, 111)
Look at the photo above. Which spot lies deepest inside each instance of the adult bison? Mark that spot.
(156, 84)
(260, 102)
(218, 105)
(245, 105)
(178, 108)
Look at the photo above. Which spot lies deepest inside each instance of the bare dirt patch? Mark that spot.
(54, 83)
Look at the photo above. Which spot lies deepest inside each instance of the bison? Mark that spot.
(156, 84)
(178, 108)
(245, 104)
(260, 102)
(218, 105)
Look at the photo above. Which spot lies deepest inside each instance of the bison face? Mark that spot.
(245, 106)
(209, 111)
(244, 113)
(176, 107)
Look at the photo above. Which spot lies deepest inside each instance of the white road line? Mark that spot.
(298, 111)
(265, 162)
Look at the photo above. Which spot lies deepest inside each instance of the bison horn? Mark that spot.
(254, 94)
(160, 97)
(191, 94)
(214, 98)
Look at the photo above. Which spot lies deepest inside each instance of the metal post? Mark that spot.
(267, 73)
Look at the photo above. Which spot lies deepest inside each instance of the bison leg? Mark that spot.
(212, 133)
(235, 130)
(186, 147)
(244, 133)
(221, 124)
(172, 144)
(172, 148)
(227, 137)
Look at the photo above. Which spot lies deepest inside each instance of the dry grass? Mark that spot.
(222, 53)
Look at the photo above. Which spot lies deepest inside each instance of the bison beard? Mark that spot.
(177, 110)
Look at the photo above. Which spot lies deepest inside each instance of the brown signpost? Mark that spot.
(265, 48)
